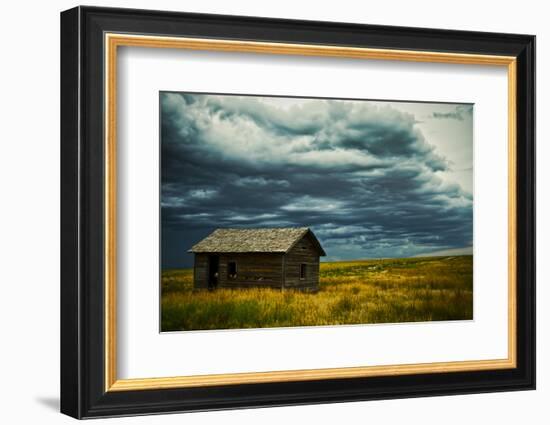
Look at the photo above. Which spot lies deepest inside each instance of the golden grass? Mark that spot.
(351, 292)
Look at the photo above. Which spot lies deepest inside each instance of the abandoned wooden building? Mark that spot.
(267, 257)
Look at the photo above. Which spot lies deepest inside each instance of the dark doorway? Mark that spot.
(213, 271)
(232, 270)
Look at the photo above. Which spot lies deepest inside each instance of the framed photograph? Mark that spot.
(261, 212)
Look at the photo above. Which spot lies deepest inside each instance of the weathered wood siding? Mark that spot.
(304, 252)
(200, 272)
(253, 270)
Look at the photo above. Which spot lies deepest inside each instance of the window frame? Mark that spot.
(303, 271)
(228, 270)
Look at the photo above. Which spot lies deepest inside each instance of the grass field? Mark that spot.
(351, 292)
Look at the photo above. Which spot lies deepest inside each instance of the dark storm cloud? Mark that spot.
(460, 113)
(362, 176)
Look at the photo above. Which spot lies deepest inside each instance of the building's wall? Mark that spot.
(304, 252)
(264, 269)
(200, 272)
(253, 270)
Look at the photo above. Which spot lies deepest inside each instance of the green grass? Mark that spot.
(351, 292)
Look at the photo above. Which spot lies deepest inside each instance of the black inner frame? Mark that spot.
(82, 206)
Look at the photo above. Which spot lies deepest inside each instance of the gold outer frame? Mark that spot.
(113, 41)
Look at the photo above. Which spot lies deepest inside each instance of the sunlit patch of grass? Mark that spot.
(351, 292)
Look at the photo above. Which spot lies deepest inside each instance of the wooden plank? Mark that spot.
(201, 271)
(254, 269)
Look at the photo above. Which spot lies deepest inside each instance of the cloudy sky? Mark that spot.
(371, 178)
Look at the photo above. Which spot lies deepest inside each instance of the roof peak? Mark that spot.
(263, 228)
(260, 239)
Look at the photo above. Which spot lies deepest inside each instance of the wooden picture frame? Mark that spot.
(90, 38)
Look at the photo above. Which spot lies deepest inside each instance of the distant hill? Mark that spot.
(455, 251)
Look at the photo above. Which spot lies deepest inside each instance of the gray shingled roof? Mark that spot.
(253, 240)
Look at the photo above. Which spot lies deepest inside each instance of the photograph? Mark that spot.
(294, 211)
